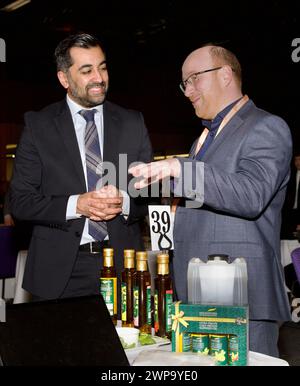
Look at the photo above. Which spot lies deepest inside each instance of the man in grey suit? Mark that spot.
(232, 188)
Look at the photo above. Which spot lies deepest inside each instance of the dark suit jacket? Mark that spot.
(241, 188)
(48, 169)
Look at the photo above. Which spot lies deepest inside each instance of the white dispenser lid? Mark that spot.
(220, 257)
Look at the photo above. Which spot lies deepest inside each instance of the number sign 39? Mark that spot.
(161, 227)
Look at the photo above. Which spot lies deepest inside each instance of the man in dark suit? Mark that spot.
(233, 187)
(59, 174)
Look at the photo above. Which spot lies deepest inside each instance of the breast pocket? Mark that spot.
(230, 229)
(236, 249)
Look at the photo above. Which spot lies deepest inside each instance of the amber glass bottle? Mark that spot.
(142, 294)
(127, 284)
(163, 297)
(108, 282)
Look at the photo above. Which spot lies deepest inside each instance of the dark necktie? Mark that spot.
(213, 126)
(97, 229)
(208, 140)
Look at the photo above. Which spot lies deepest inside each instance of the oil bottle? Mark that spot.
(142, 294)
(108, 283)
(163, 297)
(127, 284)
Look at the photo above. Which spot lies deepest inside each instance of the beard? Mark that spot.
(82, 96)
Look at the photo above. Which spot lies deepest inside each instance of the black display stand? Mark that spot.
(66, 332)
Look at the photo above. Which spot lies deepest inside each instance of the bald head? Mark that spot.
(219, 56)
(212, 80)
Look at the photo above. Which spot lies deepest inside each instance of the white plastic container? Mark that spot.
(217, 281)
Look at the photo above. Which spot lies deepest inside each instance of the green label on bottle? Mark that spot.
(169, 301)
(136, 306)
(149, 305)
(107, 288)
(123, 301)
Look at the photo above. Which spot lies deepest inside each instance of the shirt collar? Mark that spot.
(75, 107)
(215, 123)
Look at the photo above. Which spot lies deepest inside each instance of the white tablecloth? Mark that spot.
(255, 359)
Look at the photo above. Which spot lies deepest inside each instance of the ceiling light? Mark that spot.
(15, 5)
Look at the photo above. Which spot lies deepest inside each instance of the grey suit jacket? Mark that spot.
(48, 169)
(239, 187)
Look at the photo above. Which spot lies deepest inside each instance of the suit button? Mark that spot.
(77, 234)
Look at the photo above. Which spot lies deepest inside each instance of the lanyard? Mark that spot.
(224, 122)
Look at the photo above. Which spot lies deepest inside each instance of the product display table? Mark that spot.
(137, 357)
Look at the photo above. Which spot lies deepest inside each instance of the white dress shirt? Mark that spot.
(80, 124)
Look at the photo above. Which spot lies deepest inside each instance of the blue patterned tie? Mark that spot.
(97, 229)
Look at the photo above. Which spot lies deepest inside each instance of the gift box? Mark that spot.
(220, 331)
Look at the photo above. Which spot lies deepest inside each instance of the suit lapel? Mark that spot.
(66, 130)
(111, 134)
(228, 131)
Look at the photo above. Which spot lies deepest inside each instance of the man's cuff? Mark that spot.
(126, 204)
(71, 208)
(190, 183)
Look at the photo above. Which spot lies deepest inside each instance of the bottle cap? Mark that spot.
(129, 258)
(108, 252)
(129, 253)
(163, 258)
(162, 264)
(141, 255)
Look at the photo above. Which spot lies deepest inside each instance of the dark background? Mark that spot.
(146, 43)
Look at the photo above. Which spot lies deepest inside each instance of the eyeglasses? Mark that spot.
(192, 79)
